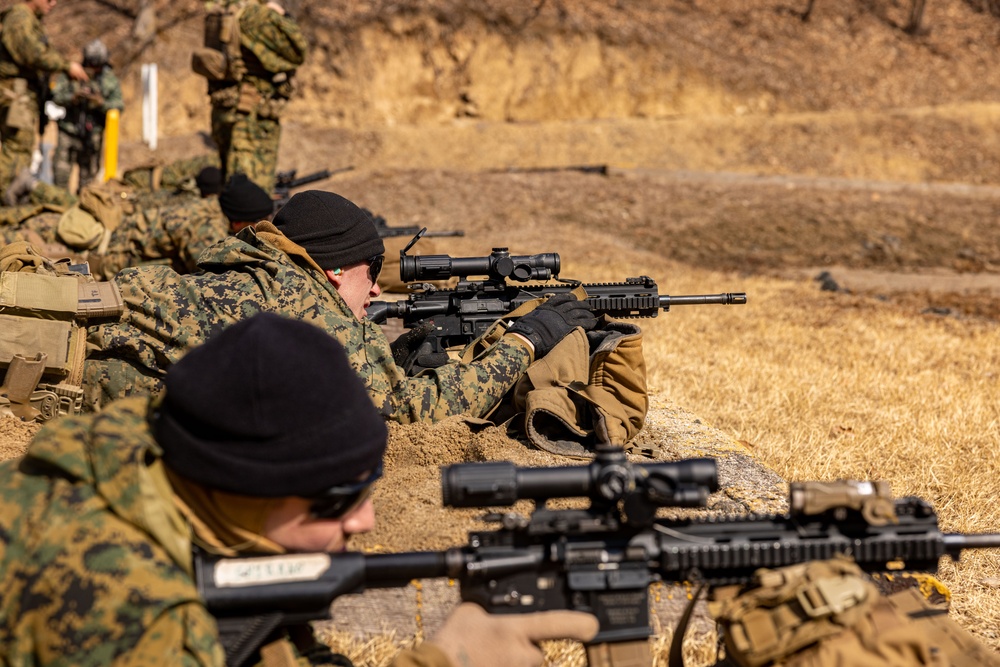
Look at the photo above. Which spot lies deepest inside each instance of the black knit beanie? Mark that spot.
(334, 231)
(242, 200)
(268, 407)
(209, 181)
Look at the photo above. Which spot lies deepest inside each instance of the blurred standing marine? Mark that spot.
(26, 62)
(252, 50)
(81, 130)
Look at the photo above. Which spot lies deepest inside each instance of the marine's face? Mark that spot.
(292, 525)
(356, 287)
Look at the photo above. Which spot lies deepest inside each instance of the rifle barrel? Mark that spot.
(726, 298)
(954, 543)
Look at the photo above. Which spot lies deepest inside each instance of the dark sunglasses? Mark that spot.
(341, 500)
(375, 267)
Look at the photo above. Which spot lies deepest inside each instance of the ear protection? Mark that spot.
(337, 272)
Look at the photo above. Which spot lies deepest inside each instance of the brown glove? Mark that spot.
(470, 637)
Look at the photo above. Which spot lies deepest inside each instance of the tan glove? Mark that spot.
(470, 637)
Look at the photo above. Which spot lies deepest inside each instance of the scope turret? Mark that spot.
(498, 265)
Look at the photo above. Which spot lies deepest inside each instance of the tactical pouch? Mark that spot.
(209, 63)
(79, 229)
(43, 340)
(792, 608)
(21, 108)
(249, 99)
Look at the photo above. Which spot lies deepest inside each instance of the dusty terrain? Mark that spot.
(744, 148)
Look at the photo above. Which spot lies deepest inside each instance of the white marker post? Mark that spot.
(149, 104)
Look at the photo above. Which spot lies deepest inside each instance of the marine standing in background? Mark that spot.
(26, 62)
(250, 85)
(81, 130)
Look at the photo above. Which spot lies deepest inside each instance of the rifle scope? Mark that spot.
(606, 480)
(499, 265)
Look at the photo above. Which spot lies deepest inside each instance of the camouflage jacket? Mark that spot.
(25, 51)
(95, 560)
(173, 235)
(276, 42)
(168, 314)
(78, 112)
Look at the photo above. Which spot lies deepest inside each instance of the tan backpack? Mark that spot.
(220, 59)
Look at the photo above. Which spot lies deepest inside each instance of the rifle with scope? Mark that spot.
(454, 317)
(601, 559)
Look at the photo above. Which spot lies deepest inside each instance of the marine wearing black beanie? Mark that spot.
(268, 407)
(242, 200)
(333, 230)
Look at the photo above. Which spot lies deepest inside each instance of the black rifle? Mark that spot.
(454, 317)
(385, 231)
(600, 559)
(285, 182)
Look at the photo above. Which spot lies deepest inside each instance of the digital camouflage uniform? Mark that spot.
(95, 560)
(172, 235)
(169, 179)
(246, 114)
(167, 314)
(95, 557)
(81, 131)
(26, 59)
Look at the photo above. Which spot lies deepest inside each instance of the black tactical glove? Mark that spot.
(552, 321)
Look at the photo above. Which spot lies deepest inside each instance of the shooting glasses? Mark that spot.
(340, 500)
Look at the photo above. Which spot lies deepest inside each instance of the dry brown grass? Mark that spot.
(825, 386)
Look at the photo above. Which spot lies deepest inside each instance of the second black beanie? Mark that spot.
(268, 407)
(335, 231)
(242, 200)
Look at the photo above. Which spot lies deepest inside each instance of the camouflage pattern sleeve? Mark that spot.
(63, 90)
(111, 90)
(456, 388)
(276, 40)
(168, 314)
(85, 581)
(23, 37)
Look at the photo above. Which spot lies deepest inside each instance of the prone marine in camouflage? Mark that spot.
(246, 111)
(173, 235)
(262, 270)
(26, 61)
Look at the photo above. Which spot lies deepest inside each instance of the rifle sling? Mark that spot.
(677, 641)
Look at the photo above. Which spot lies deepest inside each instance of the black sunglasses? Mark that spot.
(375, 267)
(342, 499)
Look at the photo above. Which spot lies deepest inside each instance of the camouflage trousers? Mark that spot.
(73, 150)
(247, 143)
(106, 380)
(16, 147)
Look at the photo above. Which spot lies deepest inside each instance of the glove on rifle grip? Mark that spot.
(552, 321)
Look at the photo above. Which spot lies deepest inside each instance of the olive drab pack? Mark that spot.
(44, 309)
(220, 59)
